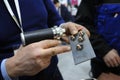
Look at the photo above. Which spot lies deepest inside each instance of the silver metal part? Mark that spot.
(22, 38)
(81, 50)
(58, 32)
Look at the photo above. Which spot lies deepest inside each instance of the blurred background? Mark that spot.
(70, 71)
(71, 5)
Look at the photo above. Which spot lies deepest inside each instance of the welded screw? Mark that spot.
(72, 37)
(80, 39)
(79, 47)
(81, 33)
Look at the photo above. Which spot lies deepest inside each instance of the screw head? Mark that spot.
(79, 47)
(72, 37)
(80, 39)
(81, 33)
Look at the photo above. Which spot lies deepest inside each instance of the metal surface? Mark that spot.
(81, 47)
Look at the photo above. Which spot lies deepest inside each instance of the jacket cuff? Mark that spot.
(4, 73)
(1, 77)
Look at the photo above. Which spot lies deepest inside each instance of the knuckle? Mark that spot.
(32, 46)
(37, 53)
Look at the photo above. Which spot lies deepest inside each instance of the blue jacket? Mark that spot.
(36, 14)
(108, 24)
(98, 17)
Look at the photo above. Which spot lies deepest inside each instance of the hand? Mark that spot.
(72, 29)
(31, 59)
(108, 76)
(112, 58)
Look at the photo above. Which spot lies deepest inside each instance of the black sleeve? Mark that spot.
(85, 16)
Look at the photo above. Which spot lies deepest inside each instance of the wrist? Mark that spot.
(11, 67)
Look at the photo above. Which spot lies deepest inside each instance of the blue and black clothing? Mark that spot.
(65, 14)
(36, 14)
(102, 18)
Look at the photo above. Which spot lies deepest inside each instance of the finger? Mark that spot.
(79, 27)
(115, 63)
(71, 27)
(65, 39)
(48, 43)
(117, 57)
(117, 60)
(112, 62)
(86, 31)
(56, 50)
(107, 63)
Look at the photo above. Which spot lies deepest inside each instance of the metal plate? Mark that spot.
(81, 47)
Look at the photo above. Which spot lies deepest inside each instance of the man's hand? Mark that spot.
(31, 59)
(72, 29)
(108, 76)
(112, 58)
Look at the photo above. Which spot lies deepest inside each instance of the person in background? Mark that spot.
(63, 11)
(101, 18)
(38, 60)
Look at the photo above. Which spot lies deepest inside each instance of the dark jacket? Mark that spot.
(36, 14)
(66, 15)
(86, 16)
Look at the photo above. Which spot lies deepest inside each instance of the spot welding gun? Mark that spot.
(42, 34)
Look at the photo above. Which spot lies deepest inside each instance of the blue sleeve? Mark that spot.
(53, 16)
(1, 77)
(4, 71)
